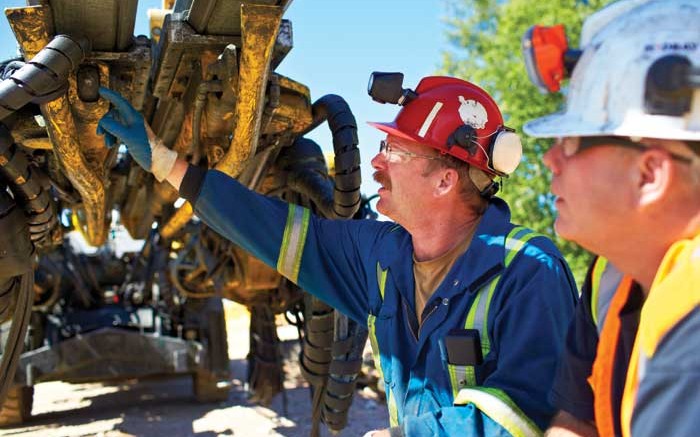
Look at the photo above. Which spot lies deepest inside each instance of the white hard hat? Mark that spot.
(607, 89)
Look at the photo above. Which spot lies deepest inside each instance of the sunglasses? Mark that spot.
(573, 145)
(389, 149)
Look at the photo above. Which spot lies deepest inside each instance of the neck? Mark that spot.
(640, 254)
(441, 232)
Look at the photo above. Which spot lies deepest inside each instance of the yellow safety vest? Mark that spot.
(674, 293)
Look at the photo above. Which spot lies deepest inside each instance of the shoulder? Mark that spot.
(678, 349)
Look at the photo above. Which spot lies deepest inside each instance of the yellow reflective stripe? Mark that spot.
(293, 242)
(477, 317)
(393, 410)
(500, 408)
(371, 320)
(485, 342)
(471, 316)
(461, 377)
(453, 380)
(598, 269)
(381, 279)
(513, 245)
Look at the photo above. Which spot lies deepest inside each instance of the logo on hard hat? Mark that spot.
(473, 113)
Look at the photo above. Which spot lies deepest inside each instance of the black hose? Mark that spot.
(348, 178)
(29, 192)
(45, 77)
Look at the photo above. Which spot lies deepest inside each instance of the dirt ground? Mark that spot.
(166, 407)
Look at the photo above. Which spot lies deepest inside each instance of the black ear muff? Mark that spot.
(464, 137)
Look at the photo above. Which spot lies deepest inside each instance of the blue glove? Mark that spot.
(126, 124)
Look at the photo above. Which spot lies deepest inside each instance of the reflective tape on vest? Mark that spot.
(371, 326)
(293, 242)
(497, 405)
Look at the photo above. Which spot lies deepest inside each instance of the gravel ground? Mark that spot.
(166, 407)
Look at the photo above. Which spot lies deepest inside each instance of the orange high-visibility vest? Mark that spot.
(611, 290)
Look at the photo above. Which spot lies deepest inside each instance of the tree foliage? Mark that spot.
(486, 36)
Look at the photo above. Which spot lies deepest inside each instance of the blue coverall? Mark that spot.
(338, 261)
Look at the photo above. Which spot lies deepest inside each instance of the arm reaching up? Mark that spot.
(126, 124)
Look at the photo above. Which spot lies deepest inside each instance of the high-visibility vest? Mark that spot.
(610, 291)
(674, 294)
(493, 402)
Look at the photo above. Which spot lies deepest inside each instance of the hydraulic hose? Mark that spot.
(346, 192)
(45, 77)
(30, 193)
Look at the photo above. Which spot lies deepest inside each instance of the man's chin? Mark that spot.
(382, 207)
(565, 230)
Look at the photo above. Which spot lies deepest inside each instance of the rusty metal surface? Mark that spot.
(33, 29)
(109, 24)
(217, 17)
(34, 25)
(260, 25)
(294, 111)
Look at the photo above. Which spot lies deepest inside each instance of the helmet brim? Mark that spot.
(563, 124)
(560, 125)
(392, 129)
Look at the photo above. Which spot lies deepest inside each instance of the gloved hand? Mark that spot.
(125, 123)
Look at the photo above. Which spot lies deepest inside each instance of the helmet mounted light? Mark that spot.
(388, 88)
(548, 58)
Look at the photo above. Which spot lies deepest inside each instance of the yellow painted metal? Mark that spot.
(33, 25)
(33, 29)
(86, 116)
(293, 114)
(259, 27)
(177, 220)
(42, 143)
(155, 22)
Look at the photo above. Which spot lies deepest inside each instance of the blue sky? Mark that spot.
(337, 44)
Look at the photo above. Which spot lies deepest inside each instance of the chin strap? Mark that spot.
(484, 183)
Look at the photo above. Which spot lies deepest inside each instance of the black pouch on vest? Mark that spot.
(463, 347)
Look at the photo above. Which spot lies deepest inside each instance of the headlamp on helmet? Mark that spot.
(388, 88)
(548, 58)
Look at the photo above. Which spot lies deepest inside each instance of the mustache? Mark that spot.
(382, 179)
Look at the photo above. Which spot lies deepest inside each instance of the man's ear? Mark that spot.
(656, 171)
(448, 181)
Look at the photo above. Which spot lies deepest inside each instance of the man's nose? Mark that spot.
(553, 158)
(379, 161)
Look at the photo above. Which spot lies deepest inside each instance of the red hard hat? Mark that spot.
(444, 110)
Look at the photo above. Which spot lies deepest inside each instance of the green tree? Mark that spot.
(486, 36)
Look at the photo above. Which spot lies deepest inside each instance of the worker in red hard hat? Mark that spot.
(466, 311)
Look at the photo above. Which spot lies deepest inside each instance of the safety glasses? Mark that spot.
(573, 145)
(388, 149)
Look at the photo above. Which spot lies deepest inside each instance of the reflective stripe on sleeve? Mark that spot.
(500, 408)
(381, 279)
(371, 325)
(514, 242)
(293, 242)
